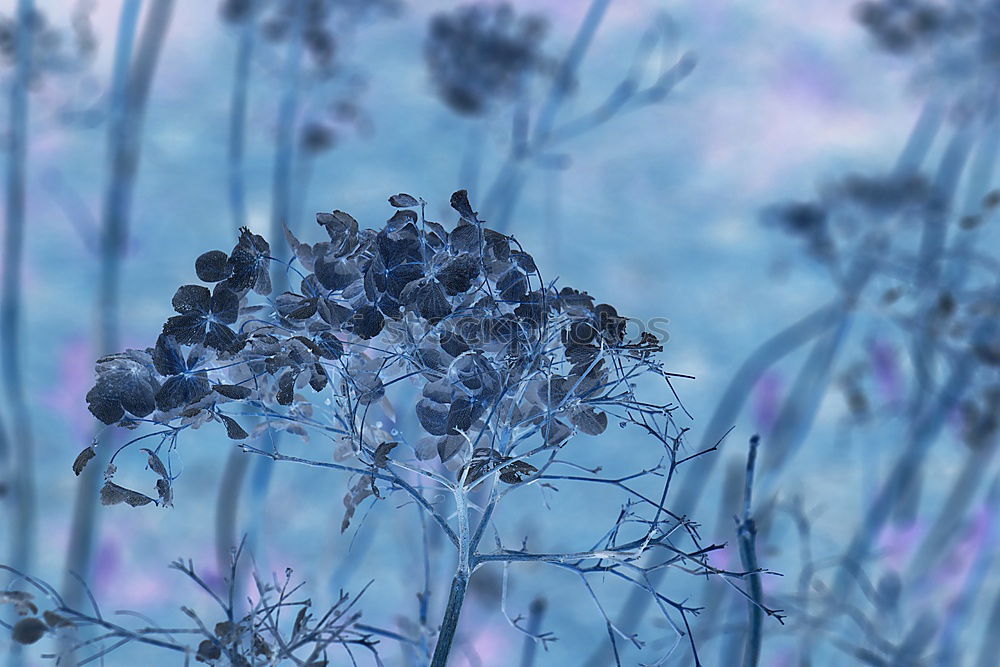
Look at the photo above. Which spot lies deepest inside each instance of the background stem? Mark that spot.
(131, 83)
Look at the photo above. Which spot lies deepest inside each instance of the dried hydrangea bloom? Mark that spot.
(479, 55)
(497, 373)
(463, 318)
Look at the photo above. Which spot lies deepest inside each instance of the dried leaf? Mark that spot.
(590, 421)
(112, 494)
(54, 620)
(28, 630)
(208, 652)
(362, 489)
(233, 391)
(300, 620)
(225, 631)
(165, 491)
(262, 648)
(82, 458)
(400, 219)
(516, 472)
(485, 460)
(382, 453)
(155, 464)
(403, 200)
(233, 429)
(460, 202)
(22, 601)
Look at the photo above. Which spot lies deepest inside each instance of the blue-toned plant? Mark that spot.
(501, 369)
(921, 249)
(37, 52)
(932, 294)
(480, 55)
(905, 251)
(305, 47)
(485, 59)
(279, 627)
(134, 65)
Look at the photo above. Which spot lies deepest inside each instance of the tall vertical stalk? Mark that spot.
(81, 540)
(237, 463)
(238, 121)
(963, 607)
(506, 189)
(281, 197)
(22, 468)
(747, 534)
(131, 82)
(536, 612)
(449, 624)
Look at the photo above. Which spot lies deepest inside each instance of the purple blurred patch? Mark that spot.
(76, 376)
(897, 542)
(885, 369)
(808, 78)
(950, 575)
(107, 566)
(766, 401)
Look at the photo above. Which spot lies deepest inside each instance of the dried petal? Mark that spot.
(82, 458)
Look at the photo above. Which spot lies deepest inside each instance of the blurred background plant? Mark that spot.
(906, 343)
(39, 58)
(865, 130)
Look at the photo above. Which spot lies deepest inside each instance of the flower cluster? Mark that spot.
(499, 358)
(324, 28)
(903, 26)
(954, 44)
(849, 212)
(862, 228)
(54, 49)
(480, 54)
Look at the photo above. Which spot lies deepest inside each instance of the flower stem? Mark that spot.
(459, 584)
(450, 622)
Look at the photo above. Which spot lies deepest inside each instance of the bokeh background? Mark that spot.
(656, 210)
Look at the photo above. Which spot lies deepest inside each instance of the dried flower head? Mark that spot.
(500, 370)
(497, 355)
(480, 55)
(953, 44)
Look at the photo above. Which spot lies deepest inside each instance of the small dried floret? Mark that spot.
(185, 384)
(23, 602)
(28, 630)
(125, 384)
(82, 458)
(205, 317)
(249, 264)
